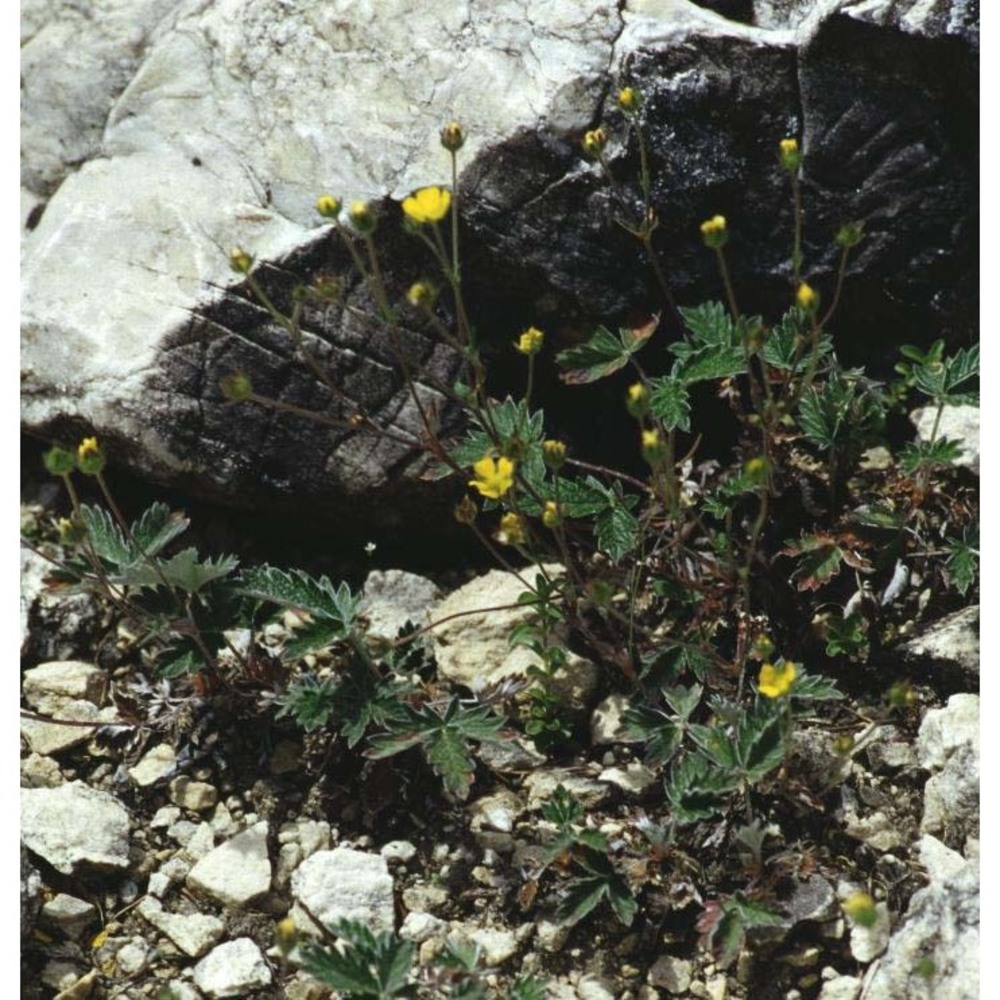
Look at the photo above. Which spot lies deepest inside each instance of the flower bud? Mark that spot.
(328, 206)
(843, 744)
(421, 294)
(452, 137)
(654, 450)
(850, 234)
(902, 695)
(594, 142)
(362, 217)
(629, 100)
(637, 401)
(89, 457)
(552, 515)
(530, 342)
(807, 298)
(236, 387)
(71, 531)
(790, 155)
(554, 454)
(755, 468)
(512, 531)
(59, 461)
(713, 232)
(285, 935)
(240, 261)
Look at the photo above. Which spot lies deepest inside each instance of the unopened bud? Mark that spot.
(637, 400)
(714, 233)
(362, 217)
(554, 454)
(594, 142)
(237, 387)
(59, 461)
(240, 261)
(629, 99)
(421, 294)
(850, 234)
(452, 137)
(328, 206)
(790, 155)
(89, 457)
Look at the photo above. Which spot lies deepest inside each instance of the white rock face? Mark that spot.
(226, 132)
(393, 597)
(944, 730)
(953, 640)
(193, 933)
(238, 871)
(155, 763)
(49, 686)
(232, 969)
(934, 953)
(344, 884)
(74, 826)
(472, 647)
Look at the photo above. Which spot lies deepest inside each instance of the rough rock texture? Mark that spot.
(960, 423)
(471, 644)
(344, 884)
(951, 644)
(190, 127)
(232, 970)
(934, 953)
(75, 827)
(238, 871)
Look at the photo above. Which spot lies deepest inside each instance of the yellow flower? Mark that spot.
(511, 530)
(629, 99)
(530, 342)
(755, 468)
(552, 514)
(429, 204)
(89, 457)
(788, 152)
(494, 477)
(286, 934)
(860, 907)
(637, 402)
(653, 448)
(713, 232)
(554, 454)
(328, 206)
(594, 142)
(774, 681)
(807, 297)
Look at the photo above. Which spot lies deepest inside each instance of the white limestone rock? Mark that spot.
(233, 969)
(68, 914)
(157, 762)
(472, 648)
(393, 598)
(193, 933)
(344, 884)
(945, 730)
(237, 872)
(49, 686)
(74, 827)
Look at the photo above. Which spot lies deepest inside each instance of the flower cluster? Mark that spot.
(530, 342)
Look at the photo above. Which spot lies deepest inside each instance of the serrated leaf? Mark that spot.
(760, 742)
(928, 454)
(188, 662)
(819, 563)
(296, 589)
(709, 323)
(184, 571)
(617, 532)
(106, 537)
(696, 790)
(963, 563)
(661, 734)
(158, 526)
(368, 965)
(786, 346)
(716, 744)
(670, 402)
(582, 895)
(603, 354)
(809, 687)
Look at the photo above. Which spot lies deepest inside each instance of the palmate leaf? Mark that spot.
(372, 966)
(714, 349)
(156, 527)
(584, 893)
(661, 733)
(696, 790)
(810, 687)
(183, 571)
(785, 347)
(106, 537)
(821, 558)
(760, 744)
(296, 589)
(942, 379)
(603, 354)
(444, 739)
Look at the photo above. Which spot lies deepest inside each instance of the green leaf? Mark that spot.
(666, 664)
(809, 687)
(444, 739)
(661, 734)
(188, 662)
(370, 966)
(709, 323)
(941, 379)
(158, 526)
(786, 347)
(698, 791)
(963, 562)
(617, 532)
(582, 895)
(562, 809)
(105, 537)
(183, 571)
(760, 741)
(820, 561)
(670, 402)
(716, 744)
(929, 454)
(296, 589)
(603, 354)
(310, 700)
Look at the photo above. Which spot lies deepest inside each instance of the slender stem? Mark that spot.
(797, 237)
